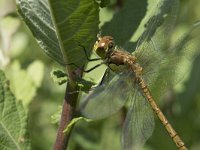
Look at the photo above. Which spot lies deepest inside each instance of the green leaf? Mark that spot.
(36, 15)
(76, 23)
(13, 120)
(125, 21)
(75, 120)
(97, 135)
(130, 23)
(85, 85)
(189, 43)
(55, 118)
(36, 72)
(157, 24)
(24, 83)
(58, 76)
(103, 3)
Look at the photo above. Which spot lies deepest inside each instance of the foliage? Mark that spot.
(59, 27)
(59, 76)
(13, 120)
(74, 121)
(29, 80)
(73, 25)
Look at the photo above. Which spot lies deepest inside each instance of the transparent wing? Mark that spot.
(152, 47)
(108, 98)
(160, 24)
(139, 123)
(167, 68)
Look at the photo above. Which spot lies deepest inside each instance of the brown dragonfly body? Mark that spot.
(120, 61)
(116, 58)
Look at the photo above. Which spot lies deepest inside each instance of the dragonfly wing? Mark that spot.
(161, 20)
(151, 46)
(139, 123)
(170, 67)
(108, 98)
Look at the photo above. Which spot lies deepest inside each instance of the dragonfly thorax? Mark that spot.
(116, 59)
(120, 60)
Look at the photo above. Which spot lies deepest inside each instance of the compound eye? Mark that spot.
(110, 45)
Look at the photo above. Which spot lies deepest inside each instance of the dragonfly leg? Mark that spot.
(94, 59)
(73, 65)
(105, 75)
(91, 69)
(86, 71)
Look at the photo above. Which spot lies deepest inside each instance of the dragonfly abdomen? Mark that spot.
(173, 134)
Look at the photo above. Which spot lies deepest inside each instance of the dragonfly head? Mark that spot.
(104, 45)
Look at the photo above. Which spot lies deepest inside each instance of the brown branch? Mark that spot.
(68, 111)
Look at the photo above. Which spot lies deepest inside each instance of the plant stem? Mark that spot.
(68, 111)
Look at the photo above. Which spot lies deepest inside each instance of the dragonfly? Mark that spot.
(130, 83)
(133, 76)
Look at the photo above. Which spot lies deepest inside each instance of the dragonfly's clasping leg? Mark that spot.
(95, 59)
(89, 70)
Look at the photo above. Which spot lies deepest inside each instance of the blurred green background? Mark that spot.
(28, 69)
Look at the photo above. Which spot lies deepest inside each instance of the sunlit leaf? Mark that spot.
(76, 22)
(125, 21)
(36, 72)
(24, 83)
(36, 15)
